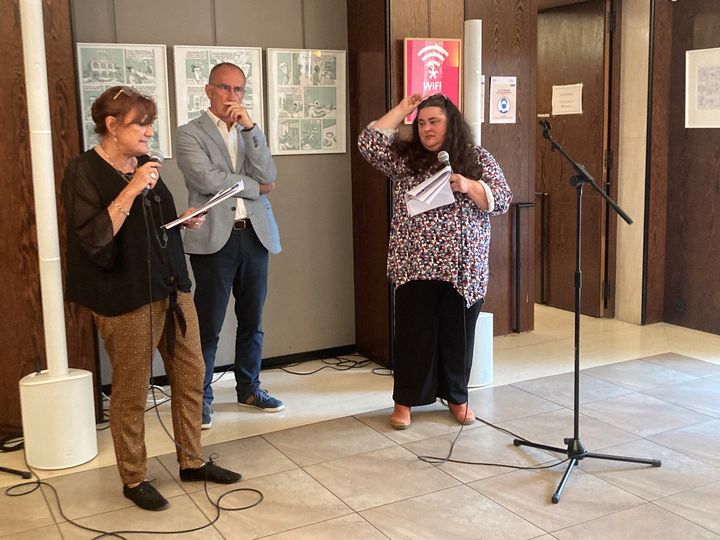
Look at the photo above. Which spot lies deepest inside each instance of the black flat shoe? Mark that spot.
(211, 473)
(146, 496)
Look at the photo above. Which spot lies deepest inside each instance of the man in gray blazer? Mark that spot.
(216, 150)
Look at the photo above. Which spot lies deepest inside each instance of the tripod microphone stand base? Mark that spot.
(575, 451)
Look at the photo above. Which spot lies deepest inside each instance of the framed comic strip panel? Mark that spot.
(306, 101)
(192, 69)
(144, 67)
(702, 88)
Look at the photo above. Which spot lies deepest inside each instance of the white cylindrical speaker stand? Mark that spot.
(58, 417)
(481, 373)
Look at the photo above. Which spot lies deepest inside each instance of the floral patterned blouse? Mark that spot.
(450, 243)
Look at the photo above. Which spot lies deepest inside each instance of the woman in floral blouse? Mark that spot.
(438, 259)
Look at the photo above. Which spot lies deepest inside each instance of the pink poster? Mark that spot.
(432, 66)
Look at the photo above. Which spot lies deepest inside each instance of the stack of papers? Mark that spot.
(216, 199)
(432, 193)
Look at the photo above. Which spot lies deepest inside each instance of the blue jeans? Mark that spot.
(241, 266)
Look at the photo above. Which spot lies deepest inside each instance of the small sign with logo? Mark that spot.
(432, 66)
(503, 98)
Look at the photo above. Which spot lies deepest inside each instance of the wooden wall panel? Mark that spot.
(367, 89)
(22, 335)
(692, 286)
(509, 48)
(658, 165)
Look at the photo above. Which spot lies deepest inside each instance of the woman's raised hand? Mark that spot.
(409, 103)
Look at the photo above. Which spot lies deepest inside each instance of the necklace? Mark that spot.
(127, 176)
(162, 243)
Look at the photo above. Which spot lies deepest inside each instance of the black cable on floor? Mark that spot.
(337, 363)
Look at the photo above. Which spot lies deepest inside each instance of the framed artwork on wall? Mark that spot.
(192, 68)
(306, 94)
(143, 67)
(702, 88)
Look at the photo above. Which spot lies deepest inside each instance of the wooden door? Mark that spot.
(572, 48)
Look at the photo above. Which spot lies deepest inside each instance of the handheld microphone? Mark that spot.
(444, 158)
(157, 157)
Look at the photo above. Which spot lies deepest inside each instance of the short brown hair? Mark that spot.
(119, 101)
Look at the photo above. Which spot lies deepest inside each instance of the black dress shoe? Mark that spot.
(211, 473)
(146, 496)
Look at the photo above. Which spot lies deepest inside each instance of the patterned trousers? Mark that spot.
(129, 344)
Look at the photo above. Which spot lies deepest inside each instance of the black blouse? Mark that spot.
(109, 274)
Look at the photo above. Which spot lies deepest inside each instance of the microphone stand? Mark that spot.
(575, 450)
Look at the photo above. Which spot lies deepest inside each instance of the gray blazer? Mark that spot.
(205, 163)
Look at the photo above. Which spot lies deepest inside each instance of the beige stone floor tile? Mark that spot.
(506, 403)
(458, 513)
(639, 375)
(484, 445)
(379, 477)
(642, 415)
(182, 515)
(98, 491)
(291, 499)
(644, 521)
(307, 445)
(677, 473)
(427, 421)
(528, 493)
(702, 395)
(701, 441)
(552, 428)
(251, 457)
(346, 527)
(44, 533)
(686, 364)
(697, 505)
(561, 389)
(24, 512)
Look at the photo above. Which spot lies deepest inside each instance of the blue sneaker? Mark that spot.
(260, 399)
(206, 421)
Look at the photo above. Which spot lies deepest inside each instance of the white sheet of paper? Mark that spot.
(432, 193)
(567, 99)
(219, 197)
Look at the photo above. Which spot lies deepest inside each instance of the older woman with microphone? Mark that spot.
(130, 271)
(437, 259)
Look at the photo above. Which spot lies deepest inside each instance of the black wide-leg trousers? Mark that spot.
(434, 339)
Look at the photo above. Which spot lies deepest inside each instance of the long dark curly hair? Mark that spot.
(458, 142)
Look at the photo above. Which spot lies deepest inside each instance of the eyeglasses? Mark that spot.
(127, 91)
(227, 88)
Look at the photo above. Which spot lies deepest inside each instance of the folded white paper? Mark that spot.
(432, 193)
(219, 197)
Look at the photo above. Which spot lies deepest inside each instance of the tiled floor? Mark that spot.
(331, 466)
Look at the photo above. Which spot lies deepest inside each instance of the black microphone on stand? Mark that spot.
(444, 158)
(157, 157)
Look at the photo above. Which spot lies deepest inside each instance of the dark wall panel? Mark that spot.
(658, 164)
(367, 88)
(692, 286)
(509, 48)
